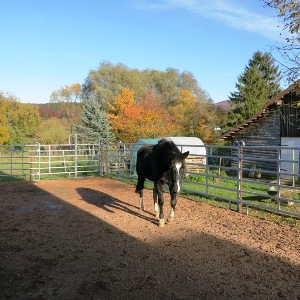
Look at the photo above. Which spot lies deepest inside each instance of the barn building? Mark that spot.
(277, 124)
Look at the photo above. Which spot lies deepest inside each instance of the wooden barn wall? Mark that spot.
(290, 115)
(264, 132)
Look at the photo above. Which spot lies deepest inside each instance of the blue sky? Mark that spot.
(46, 44)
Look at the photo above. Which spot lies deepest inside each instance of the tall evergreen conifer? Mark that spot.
(94, 122)
(258, 84)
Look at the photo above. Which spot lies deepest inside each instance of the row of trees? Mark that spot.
(147, 104)
(181, 108)
(117, 103)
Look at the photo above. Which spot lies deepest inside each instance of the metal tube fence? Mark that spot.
(38, 161)
(242, 176)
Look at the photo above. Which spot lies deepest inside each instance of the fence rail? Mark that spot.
(235, 174)
(37, 161)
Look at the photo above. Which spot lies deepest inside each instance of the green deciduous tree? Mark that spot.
(105, 83)
(4, 122)
(210, 120)
(18, 122)
(24, 123)
(108, 80)
(183, 111)
(67, 94)
(53, 131)
(256, 85)
(68, 98)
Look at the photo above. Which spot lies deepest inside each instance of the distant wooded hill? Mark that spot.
(58, 110)
(224, 105)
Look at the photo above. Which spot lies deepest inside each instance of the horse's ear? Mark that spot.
(185, 154)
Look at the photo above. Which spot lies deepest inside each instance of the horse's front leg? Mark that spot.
(139, 189)
(173, 206)
(155, 197)
(160, 193)
(141, 200)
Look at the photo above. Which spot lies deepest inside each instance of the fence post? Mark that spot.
(278, 180)
(239, 203)
(39, 157)
(207, 168)
(293, 167)
(49, 158)
(11, 159)
(76, 157)
(31, 165)
(100, 157)
(119, 161)
(24, 174)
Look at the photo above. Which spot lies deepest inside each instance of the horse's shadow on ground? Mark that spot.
(110, 204)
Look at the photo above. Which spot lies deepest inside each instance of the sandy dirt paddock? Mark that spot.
(87, 239)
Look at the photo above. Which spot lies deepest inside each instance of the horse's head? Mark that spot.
(178, 168)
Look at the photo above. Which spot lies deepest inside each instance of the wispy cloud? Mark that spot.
(231, 12)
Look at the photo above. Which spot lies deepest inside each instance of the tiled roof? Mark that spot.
(274, 101)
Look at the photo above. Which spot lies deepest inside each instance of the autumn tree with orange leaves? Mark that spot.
(144, 118)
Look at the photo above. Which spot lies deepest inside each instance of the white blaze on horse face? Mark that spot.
(178, 166)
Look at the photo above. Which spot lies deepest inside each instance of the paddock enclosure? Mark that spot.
(85, 238)
(238, 175)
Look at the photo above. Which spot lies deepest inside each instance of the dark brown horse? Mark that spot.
(162, 163)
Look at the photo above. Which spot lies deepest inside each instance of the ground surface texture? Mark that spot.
(87, 239)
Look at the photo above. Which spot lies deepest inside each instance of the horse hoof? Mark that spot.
(161, 223)
(170, 219)
(156, 214)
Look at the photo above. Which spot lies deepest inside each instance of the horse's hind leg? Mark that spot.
(155, 198)
(139, 189)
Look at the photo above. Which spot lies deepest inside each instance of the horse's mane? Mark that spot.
(173, 153)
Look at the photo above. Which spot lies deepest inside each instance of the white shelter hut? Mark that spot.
(194, 162)
(197, 157)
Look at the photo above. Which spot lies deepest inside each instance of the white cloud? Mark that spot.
(230, 12)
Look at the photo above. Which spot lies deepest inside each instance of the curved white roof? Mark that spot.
(192, 144)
